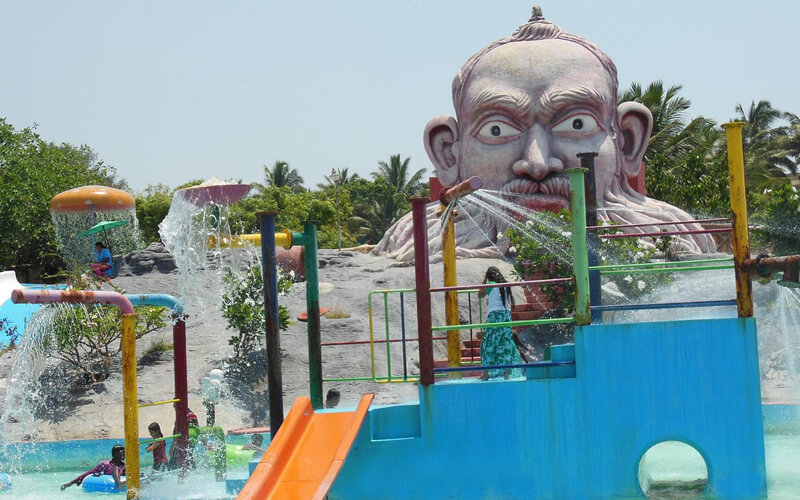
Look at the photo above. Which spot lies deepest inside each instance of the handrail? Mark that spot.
(664, 233)
(670, 223)
(551, 281)
(668, 270)
(527, 322)
(157, 403)
(659, 264)
(541, 364)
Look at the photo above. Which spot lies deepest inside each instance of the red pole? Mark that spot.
(181, 391)
(423, 278)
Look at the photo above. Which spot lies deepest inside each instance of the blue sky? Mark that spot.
(168, 91)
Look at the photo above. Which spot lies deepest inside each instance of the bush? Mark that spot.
(243, 307)
(533, 245)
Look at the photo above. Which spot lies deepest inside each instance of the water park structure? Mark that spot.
(578, 424)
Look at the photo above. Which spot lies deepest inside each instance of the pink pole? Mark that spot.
(25, 296)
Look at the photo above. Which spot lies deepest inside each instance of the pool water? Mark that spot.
(45, 486)
(782, 454)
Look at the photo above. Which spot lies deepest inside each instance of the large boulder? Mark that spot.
(153, 258)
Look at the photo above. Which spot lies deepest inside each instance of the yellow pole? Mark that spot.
(451, 298)
(130, 402)
(741, 238)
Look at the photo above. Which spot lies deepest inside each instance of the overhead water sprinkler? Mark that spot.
(221, 194)
(765, 266)
(446, 196)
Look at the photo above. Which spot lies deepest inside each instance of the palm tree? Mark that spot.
(344, 178)
(281, 175)
(395, 173)
(764, 143)
(670, 137)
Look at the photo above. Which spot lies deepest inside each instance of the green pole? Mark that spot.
(309, 240)
(580, 254)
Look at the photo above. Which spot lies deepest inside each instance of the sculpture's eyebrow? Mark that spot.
(552, 102)
(513, 102)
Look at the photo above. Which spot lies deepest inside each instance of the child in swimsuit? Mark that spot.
(159, 448)
(114, 467)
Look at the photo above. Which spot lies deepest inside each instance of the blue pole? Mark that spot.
(270, 273)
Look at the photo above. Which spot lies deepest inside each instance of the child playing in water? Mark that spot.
(255, 444)
(159, 448)
(114, 467)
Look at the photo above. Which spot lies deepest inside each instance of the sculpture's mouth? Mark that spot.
(551, 193)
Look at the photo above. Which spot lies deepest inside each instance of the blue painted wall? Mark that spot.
(581, 434)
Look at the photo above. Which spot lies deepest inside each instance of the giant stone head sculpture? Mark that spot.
(525, 106)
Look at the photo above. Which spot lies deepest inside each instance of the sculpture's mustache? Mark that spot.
(553, 184)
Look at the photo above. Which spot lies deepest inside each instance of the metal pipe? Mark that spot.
(309, 240)
(764, 267)
(527, 322)
(403, 335)
(541, 364)
(128, 346)
(664, 233)
(668, 305)
(670, 223)
(682, 263)
(450, 279)
(180, 368)
(579, 248)
(449, 194)
(272, 320)
(593, 243)
(667, 270)
(386, 330)
(552, 281)
(423, 286)
(282, 239)
(741, 237)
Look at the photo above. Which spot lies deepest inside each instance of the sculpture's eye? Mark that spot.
(497, 129)
(577, 123)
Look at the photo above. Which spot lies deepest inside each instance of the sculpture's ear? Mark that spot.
(635, 125)
(441, 144)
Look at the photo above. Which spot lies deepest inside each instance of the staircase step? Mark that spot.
(474, 343)
(470, 353)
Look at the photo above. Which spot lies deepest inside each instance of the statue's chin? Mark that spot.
(541, 202)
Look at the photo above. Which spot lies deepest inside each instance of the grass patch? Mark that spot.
(157, 347)
(337, 313)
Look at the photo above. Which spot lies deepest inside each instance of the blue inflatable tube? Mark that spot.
(101, 484)
(5, 482)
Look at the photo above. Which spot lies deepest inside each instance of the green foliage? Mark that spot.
(281, 175)
(533, 244)
(152, 206)
(10, 331)
(32, 171)
(243, 307)
(779, 221)
(696, 185)
(88, 338)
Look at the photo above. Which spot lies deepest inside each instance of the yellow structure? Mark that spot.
(451, 297)
(282, 239)
(741, 238)
(130, 402)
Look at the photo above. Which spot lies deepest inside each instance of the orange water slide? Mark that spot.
(307, 453)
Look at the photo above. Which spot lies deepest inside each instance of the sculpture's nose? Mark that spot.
(538, 160)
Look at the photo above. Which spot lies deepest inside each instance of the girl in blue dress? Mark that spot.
(497, 344)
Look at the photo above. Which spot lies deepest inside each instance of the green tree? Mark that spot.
(764, 153)
(396, 173)
(152, 205)
(281, 175)
(32, 171)
(671, 136)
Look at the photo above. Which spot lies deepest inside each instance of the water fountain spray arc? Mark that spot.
(128, 341)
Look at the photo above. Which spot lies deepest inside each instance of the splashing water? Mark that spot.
(79, 251)
(506, 214)
(190, 233)
(23, 393)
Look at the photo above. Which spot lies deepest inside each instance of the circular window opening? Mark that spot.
(672, 469)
